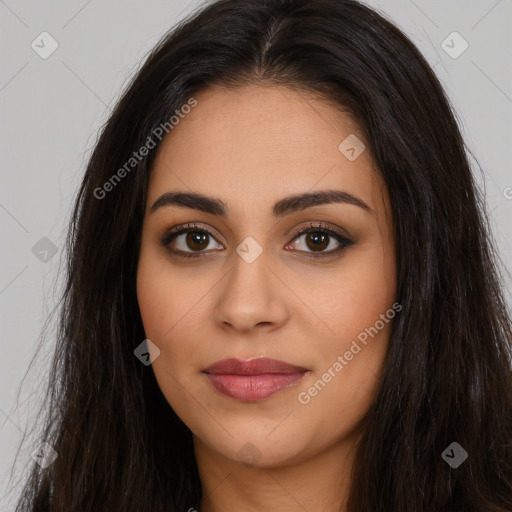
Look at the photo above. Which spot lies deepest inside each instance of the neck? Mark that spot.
(319, 483)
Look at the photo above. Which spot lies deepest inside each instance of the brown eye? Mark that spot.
(197, 240)
(189, 241)
(319, 241)
(316, 240)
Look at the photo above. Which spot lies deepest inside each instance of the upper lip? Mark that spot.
(257, 366)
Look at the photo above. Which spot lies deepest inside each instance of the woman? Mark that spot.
(281, 290)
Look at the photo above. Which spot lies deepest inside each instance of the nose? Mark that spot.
(251, 296)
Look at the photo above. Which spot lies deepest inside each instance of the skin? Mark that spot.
(251, 147)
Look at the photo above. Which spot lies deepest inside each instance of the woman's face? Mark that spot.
(262, 281)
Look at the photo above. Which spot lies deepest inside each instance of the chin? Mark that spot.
(261, 450)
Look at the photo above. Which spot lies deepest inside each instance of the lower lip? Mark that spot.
(252, 388)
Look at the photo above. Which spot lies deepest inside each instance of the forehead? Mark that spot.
(258, 143)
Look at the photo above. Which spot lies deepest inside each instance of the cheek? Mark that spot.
(346, 381)
(161, 296)
(359, 313)
(170, 307)
(362, 290)
(158, 305)
(153, 298)
(164, 316)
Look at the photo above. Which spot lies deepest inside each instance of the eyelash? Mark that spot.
(321, 228)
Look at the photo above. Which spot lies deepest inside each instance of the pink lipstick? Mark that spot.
(253, 380)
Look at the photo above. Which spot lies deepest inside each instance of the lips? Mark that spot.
(253, 380)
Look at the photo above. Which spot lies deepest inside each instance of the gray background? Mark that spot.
(51, 110)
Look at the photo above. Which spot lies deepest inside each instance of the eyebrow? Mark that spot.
(281, 208)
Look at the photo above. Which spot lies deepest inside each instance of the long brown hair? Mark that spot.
(447, 375)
